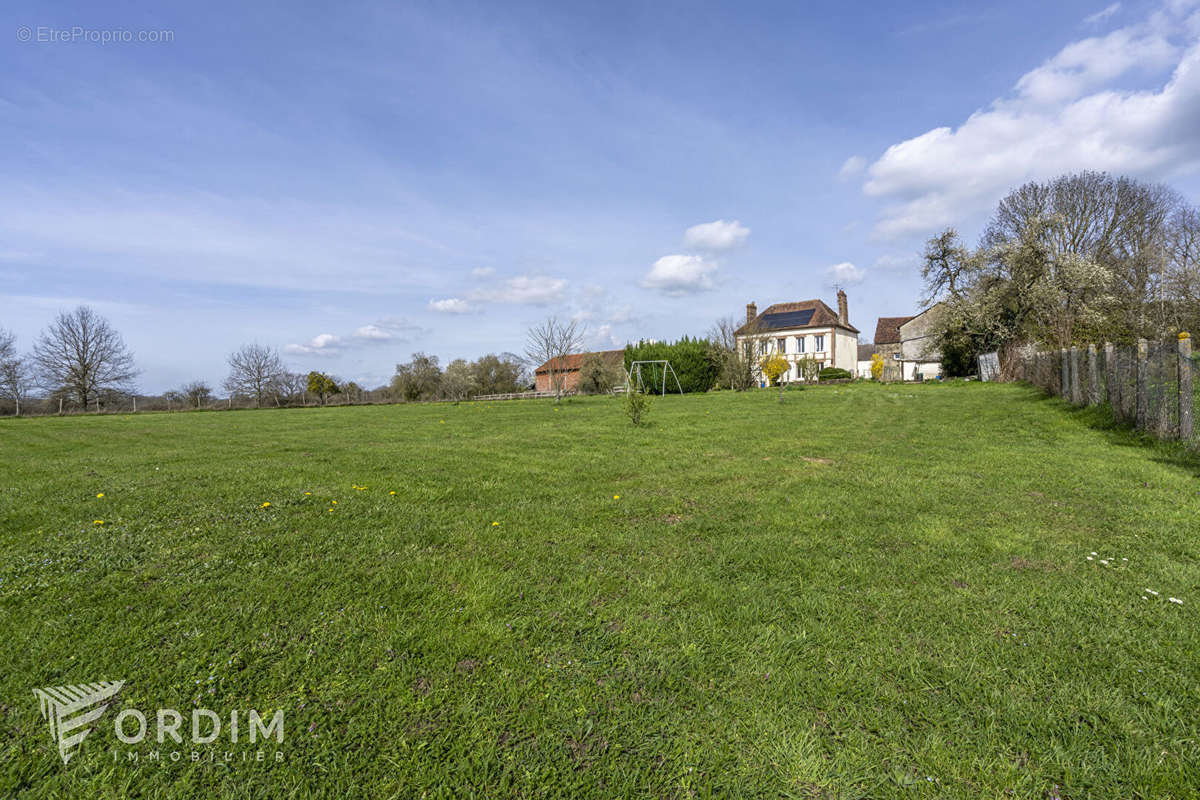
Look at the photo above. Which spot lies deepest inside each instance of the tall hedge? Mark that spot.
(690, 358)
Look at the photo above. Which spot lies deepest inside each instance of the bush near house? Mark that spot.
(833, 374)
(690, 358)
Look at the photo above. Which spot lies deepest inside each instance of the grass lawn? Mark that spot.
(864, 591)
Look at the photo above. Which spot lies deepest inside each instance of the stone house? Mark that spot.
(907, 346)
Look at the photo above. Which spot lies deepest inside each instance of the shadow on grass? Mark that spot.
(1182, 455)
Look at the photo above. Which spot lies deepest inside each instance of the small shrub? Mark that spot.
(637, 405)
(833, 374)
(876, 367)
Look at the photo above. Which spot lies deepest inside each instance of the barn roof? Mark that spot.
(575, 361)
(887, 329)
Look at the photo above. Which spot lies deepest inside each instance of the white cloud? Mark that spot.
(718, 235)
(323, 344)
(1102, 14)
(852, 166)
(677, 275)
(537, 290)
(482, 272)
(393, 329)
(1062, 116)
(373, 333)
(896, 261)
(844, 274)
(451, 305)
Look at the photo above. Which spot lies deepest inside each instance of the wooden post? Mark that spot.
(135, 404)
(1093, 390)
(60, 406)
(1110, 376)
(1077, 397)
(1186, 398)
(1142, 408)
(1064, 377)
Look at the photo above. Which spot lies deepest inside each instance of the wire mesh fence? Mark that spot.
(1148, 384)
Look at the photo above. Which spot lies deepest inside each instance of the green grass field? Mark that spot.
(864, 591)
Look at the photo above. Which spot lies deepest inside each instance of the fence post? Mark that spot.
(1093, 396)
(1076, 397)
(1064, 377)
(1140, 368)
(1186, 398)
(1110, 377)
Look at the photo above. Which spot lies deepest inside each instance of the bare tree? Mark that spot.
(944, 267)
(549, 344)
(82, 357)
(14, 371)
(734, 350)
(255, 371)
(196, 393)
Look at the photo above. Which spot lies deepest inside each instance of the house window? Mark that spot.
(782, 342)
(799, 344)
(762, 347)
(819, 344)
(896, 356)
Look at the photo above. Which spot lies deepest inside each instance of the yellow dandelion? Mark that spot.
(331, 509)
(266, 505)
(306, 494)
(495, 524)
(100, 495)
(334, 502)
(616, 497)
(97, 522)
(391, 492)
(442, 421)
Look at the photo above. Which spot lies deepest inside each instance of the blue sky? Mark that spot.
(357, 181)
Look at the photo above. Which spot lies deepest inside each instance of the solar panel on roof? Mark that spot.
(788, 319)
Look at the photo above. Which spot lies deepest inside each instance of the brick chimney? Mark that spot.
(843, 309)
(751, 312)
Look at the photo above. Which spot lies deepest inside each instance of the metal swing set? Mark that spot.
(656, 369)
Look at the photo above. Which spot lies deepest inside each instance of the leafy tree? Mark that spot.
(458, 382)
(809, 368)
(498, 374)
(598, 375)
(82, 357)
(322, 386)
(419, 379)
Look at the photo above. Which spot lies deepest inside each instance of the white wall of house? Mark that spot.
(816, 343)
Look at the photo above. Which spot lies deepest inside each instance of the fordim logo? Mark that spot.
(72, 711)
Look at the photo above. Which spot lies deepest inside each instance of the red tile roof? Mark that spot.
(887, 329)
(575, 361)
